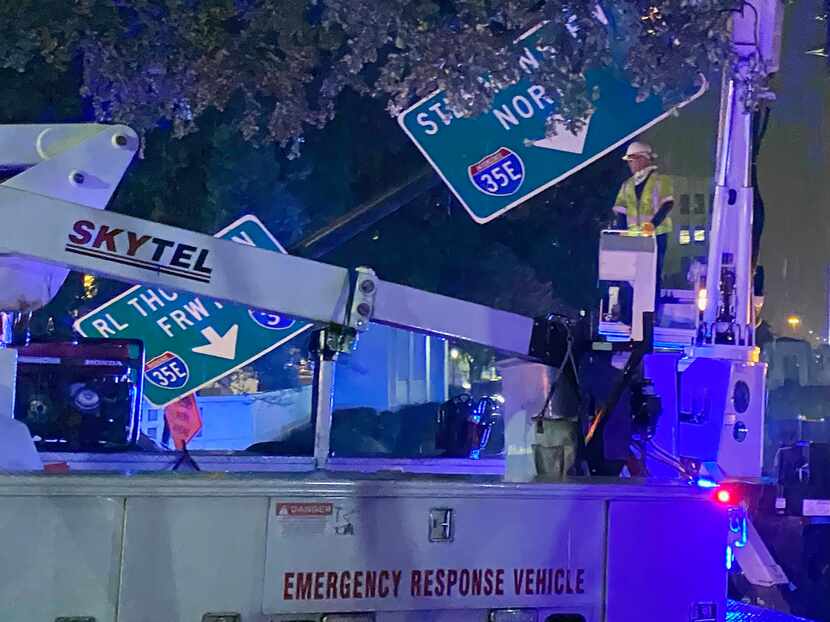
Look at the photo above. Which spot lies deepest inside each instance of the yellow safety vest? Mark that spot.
(657, 191)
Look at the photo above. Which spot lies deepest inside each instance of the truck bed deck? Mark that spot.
(320, 483)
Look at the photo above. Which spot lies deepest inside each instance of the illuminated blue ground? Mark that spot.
(739, 612)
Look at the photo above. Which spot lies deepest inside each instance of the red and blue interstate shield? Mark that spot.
(168, 371)
(499, 174)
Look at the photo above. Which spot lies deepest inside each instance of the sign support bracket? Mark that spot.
(322, 395)
(185, 457)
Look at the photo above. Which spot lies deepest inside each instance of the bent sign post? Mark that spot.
(495, 161)
(191, 341)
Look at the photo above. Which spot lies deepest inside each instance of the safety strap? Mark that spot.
(567, 360)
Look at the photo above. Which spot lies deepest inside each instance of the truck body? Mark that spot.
(300, 546)
(318, 538)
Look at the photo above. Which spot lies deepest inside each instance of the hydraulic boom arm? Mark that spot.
(54, 220)
(728, 320)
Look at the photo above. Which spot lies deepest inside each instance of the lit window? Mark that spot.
(700, 235)
(684, 237)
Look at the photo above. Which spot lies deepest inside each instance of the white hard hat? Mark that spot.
(637, 148)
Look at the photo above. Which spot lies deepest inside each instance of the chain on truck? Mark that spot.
(547, 532)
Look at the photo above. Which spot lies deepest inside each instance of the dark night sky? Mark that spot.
(792, 172)
(794, 179)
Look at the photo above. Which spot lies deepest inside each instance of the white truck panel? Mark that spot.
(664, 558)
(175, 547)
(330, 560)
(184, 557)
(60, 557)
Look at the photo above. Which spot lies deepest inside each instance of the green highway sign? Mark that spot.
(191, 341)
(495, 161)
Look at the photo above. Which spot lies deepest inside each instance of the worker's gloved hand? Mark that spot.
(648, 229)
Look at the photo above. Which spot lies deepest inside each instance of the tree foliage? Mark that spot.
(284, 63)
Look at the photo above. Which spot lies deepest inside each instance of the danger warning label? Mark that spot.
(305, 510)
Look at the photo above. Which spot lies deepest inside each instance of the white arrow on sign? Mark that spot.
(223, 347)
(564, 140)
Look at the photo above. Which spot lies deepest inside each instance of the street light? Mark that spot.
(794, 322)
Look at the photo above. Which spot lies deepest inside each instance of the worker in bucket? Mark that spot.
(645, 200)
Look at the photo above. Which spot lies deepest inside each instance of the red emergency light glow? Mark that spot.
(727, 495)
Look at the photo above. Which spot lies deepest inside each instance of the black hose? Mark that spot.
(760, 123)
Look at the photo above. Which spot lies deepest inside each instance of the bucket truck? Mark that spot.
(323, 537)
